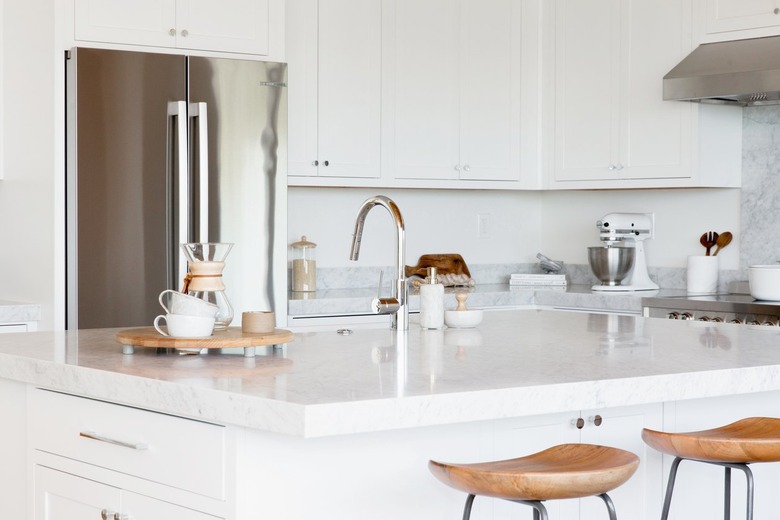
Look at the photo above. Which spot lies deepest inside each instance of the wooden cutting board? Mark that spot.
(233, 337)
(450, 263)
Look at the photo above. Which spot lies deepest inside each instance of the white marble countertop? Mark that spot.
(331, 302)
(516, 363)
(19, 312)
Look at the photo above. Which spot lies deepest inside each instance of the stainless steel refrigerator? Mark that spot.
(167, 149)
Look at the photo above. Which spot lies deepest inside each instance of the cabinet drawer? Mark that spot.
(177, 452)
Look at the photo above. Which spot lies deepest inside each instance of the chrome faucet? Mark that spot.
(397, 304)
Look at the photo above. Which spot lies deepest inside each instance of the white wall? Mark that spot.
(28, 210)
(560, 224)
(437, 221)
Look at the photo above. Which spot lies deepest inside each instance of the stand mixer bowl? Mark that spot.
(611, 264)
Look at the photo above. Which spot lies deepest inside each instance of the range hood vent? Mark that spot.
(739, 72)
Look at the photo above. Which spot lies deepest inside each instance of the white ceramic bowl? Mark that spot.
(463, 319)
(764, 282)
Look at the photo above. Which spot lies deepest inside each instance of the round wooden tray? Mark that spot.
(233, 337)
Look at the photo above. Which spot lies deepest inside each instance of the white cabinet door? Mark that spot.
(587, 90)
(736, 15)
(61, 496)
(142, 22)
(334, 50)
(425, 89)
(490, 79)
(455, 90)
(229, 25)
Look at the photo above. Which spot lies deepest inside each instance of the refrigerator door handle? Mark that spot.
(177, 115)
(199, 111)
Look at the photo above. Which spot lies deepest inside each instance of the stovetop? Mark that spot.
(734, 308)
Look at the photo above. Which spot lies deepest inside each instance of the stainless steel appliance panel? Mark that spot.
(119, 187)
(246, 107)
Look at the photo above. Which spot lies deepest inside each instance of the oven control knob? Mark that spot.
(673, 315)
(736, 320)
(753, 322)
(717, 320)
(686, 316)
(770, 322)
(704, 318)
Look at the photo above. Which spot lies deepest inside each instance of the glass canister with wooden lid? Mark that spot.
(304, 266)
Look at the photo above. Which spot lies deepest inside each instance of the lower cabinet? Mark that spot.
(639, 498)
(98, 460)
(62, 496)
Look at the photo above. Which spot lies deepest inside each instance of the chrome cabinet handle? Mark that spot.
(177, 119)
(596, 419)
(105, 514)
(172, 31)
(578, 423)
(139, 446)
(619, 166)
(185, 33)
(457, 167)
(466, 168)
(611, 167)
(326, 163)
(315, 163)
(199, 111)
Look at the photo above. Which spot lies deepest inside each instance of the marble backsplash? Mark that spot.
(578, 274)
(760, 208)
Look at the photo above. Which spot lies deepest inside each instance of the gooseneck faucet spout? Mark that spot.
(397, 304)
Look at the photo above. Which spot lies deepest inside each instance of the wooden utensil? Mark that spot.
(445, 264)
(708, 239)
(723, 240)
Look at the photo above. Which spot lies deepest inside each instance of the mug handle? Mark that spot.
(157, 325)
(160, 299)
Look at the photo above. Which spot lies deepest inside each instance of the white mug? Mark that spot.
(181, 303)
(183, 326)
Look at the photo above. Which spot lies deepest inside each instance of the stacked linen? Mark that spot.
(524, 279)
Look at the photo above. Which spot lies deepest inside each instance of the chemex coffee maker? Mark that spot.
(620, 263)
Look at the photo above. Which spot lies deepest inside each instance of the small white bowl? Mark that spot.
(463, 319)
(764, 282)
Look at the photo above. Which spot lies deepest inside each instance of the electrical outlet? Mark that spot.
(483, 226)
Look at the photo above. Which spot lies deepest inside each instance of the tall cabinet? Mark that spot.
(335, 56)
(456, 73)
(612, 127)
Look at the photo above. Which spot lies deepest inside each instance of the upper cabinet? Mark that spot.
(240, 26)
(334, 49)
(460, 91)
(612, 128)
(736, 19)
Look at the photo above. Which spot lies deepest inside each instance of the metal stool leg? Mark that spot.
(540, 512)
(727, 495)
(750, 487)
(670, 488)
(467, 509)
(610, 506)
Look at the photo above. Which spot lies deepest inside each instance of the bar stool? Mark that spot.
(734, 446)
(563, 471)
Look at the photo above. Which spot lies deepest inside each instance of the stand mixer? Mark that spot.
(628, 230)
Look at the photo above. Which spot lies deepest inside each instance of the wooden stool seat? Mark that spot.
(755, 439)
(563, 471)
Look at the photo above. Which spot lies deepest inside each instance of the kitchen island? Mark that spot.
(333, 426)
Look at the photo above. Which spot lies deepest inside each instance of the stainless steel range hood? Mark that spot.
(739, 72)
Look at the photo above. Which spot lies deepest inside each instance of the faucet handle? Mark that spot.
(381, 305)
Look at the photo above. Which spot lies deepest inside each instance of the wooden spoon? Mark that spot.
(708, 239)
(723, 240)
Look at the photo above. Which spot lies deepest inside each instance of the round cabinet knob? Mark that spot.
(315, 163)
(596, 419)
(578, 423)
(185, 33)
(619, 167)
(105, 514)
(612, 167)
(777, 10)
(466, 168)
(172, 32)
(326, 163)
(457, 167)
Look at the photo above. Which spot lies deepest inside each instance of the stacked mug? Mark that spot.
(185, 316)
